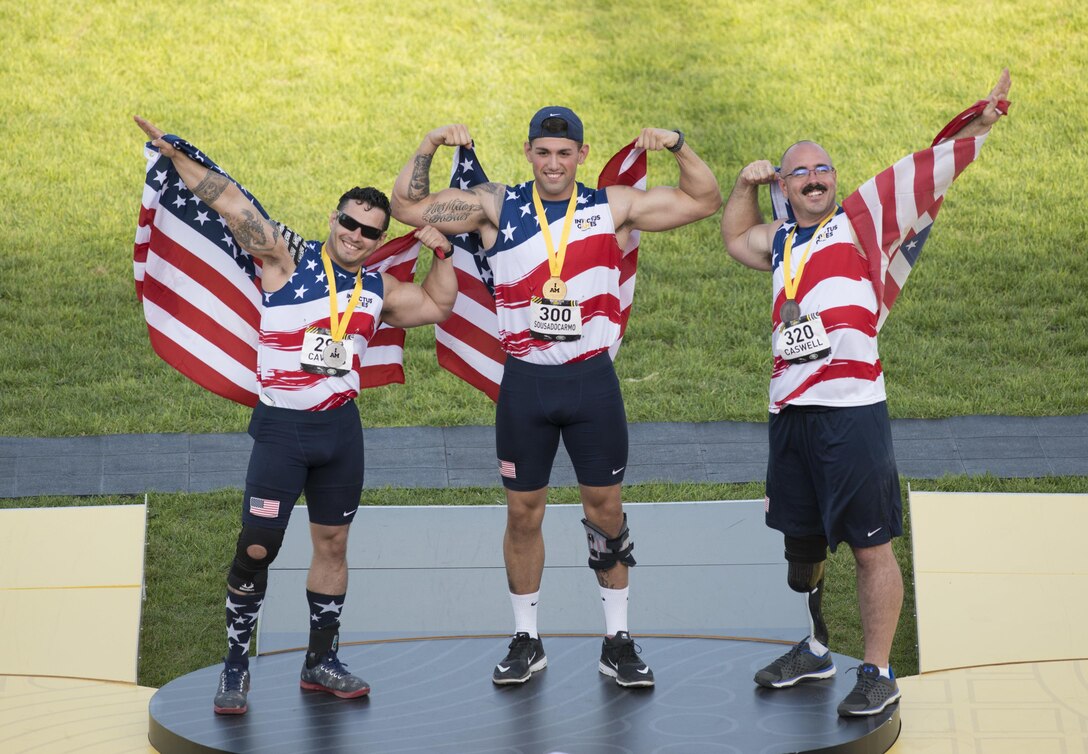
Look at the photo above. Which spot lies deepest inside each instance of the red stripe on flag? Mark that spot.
(197, 370)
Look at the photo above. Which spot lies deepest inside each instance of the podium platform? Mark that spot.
(436, 696)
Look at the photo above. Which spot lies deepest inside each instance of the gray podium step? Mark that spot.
(703, 567)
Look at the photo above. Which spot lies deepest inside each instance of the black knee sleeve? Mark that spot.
(806, 556)
(247, 574)
(605, 551)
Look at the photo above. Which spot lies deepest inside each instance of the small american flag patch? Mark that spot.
(506, 469)
(258, 506)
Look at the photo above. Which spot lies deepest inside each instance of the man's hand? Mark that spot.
(656, 139)
(455, 135)
(429, 236)
(155, 134)
(1000, 93)
(758, 173)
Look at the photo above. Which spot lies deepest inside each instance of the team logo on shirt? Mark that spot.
(585, 223)
(826, 232)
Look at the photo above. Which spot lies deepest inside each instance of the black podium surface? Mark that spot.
(436, 696)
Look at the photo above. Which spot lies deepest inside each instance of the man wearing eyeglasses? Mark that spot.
(306, 428)
(554, 246)
(831, 474)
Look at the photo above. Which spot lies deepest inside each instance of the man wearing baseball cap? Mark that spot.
(555, 246)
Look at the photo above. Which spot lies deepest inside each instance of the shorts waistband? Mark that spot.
(330, 416)
(602, 362)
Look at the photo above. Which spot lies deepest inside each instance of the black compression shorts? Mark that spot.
(581, 402)
(320, 452)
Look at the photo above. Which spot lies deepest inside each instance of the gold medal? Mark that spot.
(789, 311)
(555, 289)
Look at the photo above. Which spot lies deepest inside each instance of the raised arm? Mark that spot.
(451, 211)
(410, 305)
(747, 238)
(696, 196)
(990, 114)
(257, 235)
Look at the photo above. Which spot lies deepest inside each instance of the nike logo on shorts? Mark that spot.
(874, 531)
(616, 471)
(350, 512)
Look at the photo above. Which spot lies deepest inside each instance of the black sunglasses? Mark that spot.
(350, 224)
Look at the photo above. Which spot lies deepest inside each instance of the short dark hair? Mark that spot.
(370, 198)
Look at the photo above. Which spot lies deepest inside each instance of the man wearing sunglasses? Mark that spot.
(831, 474)
(554, 246)
(320, 308)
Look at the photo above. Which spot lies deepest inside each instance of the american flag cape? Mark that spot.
(467, 343)
(892, 213)
(201, 292)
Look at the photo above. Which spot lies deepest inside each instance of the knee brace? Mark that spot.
(806, 557)
(247, 574)
(605, 552)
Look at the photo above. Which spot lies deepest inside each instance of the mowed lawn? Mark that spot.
(300, 101)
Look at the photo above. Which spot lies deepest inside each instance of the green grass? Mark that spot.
(299, 100)
(190, 541)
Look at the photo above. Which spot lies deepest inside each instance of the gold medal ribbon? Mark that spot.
(791, 283)
(555, 257)
(338, 324)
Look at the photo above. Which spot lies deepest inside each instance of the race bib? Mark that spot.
(323, 355)
(802, 340)
(554, 320)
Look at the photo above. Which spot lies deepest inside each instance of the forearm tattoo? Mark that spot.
(211, 186)
(452, 211)
(252, 232)
(420, 185)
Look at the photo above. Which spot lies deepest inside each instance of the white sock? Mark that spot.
(614, 602)
(525, 612)
(885, 672)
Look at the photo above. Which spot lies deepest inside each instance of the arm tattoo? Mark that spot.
(252, 232)
(452, 211)
(497, 192)
(420, 185)
(211, 186)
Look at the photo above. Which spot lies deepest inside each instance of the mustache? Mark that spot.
(813, 187)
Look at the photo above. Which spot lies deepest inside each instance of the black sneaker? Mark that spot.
(799, 664)
(526, 656)
(872, 693)
(620, 660)
(230, 699)
(331, 676)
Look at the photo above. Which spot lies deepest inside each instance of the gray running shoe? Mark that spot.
(230, 699)
(620, 660)
(331, 676)
(799, 664)
(872, 693)
(526, 656)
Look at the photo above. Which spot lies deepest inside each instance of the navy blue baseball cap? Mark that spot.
(558, 122)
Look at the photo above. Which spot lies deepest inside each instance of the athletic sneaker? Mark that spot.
(526, 656)
(620, 660)
(230, 699)
(330, 675)
(872, 693)
(799, 664)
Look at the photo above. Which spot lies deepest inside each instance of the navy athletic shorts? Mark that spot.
(580, 401)
(320, 452)
(831, 471)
